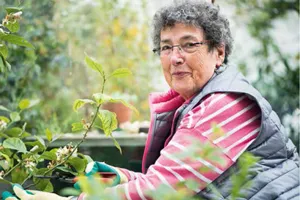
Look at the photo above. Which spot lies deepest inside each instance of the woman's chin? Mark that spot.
(184, 91)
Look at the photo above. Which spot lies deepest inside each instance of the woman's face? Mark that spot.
(186, 72)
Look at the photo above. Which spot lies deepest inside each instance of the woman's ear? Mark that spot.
(220, 55)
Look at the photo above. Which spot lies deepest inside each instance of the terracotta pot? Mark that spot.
(123, 113)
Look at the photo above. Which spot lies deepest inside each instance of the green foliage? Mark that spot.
(10, 25)
(14, 144)
(14, 39)
(94, 65)
(80, 102)
(37, 73)
(20, 159)
(240, 180)
(23, 163)
(108, 120)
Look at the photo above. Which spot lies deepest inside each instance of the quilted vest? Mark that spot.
(274, 177)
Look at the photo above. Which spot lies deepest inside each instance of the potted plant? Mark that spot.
(123, 112)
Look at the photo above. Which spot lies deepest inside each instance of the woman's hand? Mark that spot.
(100, 167)
(22, 194)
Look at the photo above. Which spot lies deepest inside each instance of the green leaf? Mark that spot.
(81, 102)
(4, 119)
(5, 163)
(56, 137)
(3, 50)
(2, 65)
(78, 163)
(66, 169)
(12, 9)
(7, 65)
(43, 184)
(14, 39)
(15, 144)
(108, 121)
(24, 103)
(120, 72)
(77, 126)
(102, 98)
(192, 184)
(117, 144)
(13, 26)
(48, 135)
(34, 143)
(24, 127)
(49, 155)
(88, 158)
(125, 103)
(15, 116)
(6, 152)
(17, 132)
(41, 140)
(94, 65)
(18, 175)
(46, 187)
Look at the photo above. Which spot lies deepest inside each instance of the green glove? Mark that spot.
(22, 194)
(9, 196)
(94, 167)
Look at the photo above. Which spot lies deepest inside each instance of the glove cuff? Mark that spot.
(123, 177)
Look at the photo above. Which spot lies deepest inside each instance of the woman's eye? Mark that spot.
(189, 45)
(163, 48)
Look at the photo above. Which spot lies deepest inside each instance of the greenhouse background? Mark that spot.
(117, 34)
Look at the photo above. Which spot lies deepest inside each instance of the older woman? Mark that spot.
(193, 42)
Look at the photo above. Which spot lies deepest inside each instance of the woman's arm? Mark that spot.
(239, 118)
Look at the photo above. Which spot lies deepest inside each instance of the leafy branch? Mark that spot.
(19, 164)
(10, 24)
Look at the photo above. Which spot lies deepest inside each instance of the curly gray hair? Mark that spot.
(200, 14)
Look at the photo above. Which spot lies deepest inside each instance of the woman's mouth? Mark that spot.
(180, 74)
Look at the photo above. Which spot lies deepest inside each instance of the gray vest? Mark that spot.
(275, 176)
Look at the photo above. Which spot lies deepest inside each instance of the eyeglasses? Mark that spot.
(188, 47)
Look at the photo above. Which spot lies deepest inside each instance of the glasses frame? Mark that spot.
(158, 50)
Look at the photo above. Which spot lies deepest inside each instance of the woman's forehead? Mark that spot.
(181, 32)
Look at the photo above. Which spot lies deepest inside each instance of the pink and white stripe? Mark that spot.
(236, 114)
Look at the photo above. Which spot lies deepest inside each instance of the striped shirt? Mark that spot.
(225, 122)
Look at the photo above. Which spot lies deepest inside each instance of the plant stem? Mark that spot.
(79, 143)
(17, 165)
(84, 135)
(28, 177)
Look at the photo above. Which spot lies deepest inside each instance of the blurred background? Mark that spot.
(117, 34)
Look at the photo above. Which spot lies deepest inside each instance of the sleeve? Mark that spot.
(237, 119)
(130, 175)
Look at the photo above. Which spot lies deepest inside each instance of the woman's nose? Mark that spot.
(176, 57)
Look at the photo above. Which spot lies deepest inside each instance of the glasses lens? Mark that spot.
(190, 47)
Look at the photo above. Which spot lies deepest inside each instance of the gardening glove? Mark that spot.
(22, 194)
(96, 167)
